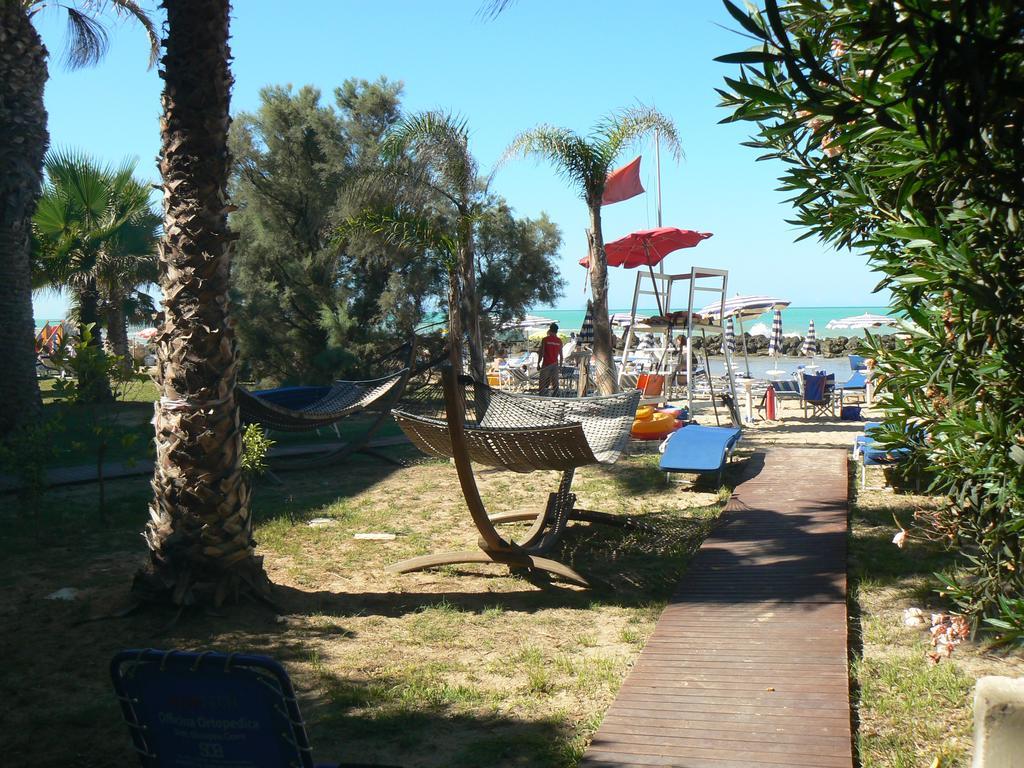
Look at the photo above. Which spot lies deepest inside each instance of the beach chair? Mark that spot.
(819, 393)
(858, 363)
(699, 449)
(869, 453)
(784, 389)
(211, 710)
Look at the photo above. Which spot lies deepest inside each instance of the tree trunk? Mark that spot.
(117, 332)
(23, 128)
(93, 388)
(471, 318)
(604, 362)
(200, 531)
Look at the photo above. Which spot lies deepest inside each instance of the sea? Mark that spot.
(795, 320)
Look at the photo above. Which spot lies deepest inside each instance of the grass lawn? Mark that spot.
(461, 666)
(912, 712)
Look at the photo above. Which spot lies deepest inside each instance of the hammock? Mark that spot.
(523, 433)
(303, 409)
(284, 409)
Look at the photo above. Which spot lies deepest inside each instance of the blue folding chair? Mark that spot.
(818, 394)
(699, 449)
(211, 710)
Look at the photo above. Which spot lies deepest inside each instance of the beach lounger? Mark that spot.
(210, 710)
(699, 449)
(871, 454)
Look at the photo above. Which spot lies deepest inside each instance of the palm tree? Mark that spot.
(440, 144)
(95, 235)
(585, 161)
(200, 528)
(23, 75)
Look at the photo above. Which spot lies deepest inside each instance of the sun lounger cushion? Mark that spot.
(872, 453)
(695, 448)
(857, 381)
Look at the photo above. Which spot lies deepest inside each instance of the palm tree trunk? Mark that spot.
(117, 332)
(23, 127)
(603, 360)
(200, 531)
(93, 386)
(471, 316)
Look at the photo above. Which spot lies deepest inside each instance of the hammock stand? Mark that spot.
(523, 433)
(325, 407)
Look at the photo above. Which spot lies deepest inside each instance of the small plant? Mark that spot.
(89, 363)
(255, 447)
(26, 454)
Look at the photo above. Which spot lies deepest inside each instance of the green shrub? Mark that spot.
(901, 127)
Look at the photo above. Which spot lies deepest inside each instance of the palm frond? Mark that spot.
(87, 39)
(573, 157)
(131, 9)
(494, 8)
(618, 130)
(441, 141)
(404, 230)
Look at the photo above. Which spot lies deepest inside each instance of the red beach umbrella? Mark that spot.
(648, 247)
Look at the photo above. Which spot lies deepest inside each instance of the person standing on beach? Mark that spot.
(550, 354)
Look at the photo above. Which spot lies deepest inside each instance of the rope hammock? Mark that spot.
(341, 399)
(523, 433)
(304, 409)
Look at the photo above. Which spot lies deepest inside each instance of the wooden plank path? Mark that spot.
(747, 665)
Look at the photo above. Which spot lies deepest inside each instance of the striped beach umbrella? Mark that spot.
(587, 329)
(729, 338)
(810, 345)
(857, 322)
(743, 307)
(775, 340)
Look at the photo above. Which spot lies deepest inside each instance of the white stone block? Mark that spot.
(999, 723)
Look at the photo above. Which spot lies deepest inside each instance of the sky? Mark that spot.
(562, 62)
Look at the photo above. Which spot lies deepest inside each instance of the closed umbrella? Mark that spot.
(587, 330)
(775, 340)
(810, 345)
(729, 338)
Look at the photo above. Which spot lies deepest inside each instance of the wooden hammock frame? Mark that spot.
(553, 446)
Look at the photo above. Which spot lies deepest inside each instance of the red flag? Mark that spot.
(622, 184)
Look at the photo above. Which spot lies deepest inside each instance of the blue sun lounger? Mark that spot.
(211, 710)
(872, 454)
(699, 449)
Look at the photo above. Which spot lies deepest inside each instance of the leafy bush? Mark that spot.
(255, 447)
(901, 126)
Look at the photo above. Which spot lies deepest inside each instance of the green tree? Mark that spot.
(95, 235)
(901, 127)
(311, 308)
(515, 264)
(23, 75)
(200, 528)
(585, 162)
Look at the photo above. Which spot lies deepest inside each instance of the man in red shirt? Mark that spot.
(550, 354)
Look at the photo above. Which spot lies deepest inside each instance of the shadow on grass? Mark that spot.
(874, 558)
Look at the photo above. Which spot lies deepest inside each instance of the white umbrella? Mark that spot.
(528, 321)
(858, 322)
(744, 307)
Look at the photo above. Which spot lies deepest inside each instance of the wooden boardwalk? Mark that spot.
(747, 666)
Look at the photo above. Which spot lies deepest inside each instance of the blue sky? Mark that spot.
(533, 64)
